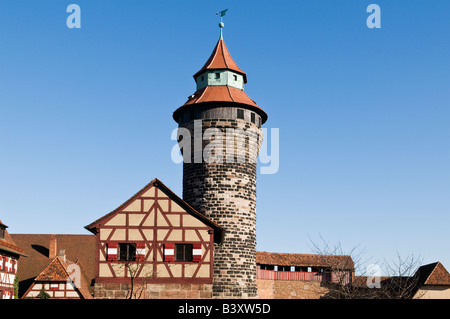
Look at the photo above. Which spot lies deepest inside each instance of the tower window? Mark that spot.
(240, 114)
(183, 252)
(217, 75)
(253, 117)
(235, 77)
(202, 78)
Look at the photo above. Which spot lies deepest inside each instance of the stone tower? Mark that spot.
(220, 136)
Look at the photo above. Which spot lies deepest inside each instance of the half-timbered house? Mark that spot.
(9, 263)
(61, 279)
(154, 246)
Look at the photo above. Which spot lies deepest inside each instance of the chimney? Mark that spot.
(52, 248)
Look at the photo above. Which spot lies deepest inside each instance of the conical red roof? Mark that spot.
(221, 59)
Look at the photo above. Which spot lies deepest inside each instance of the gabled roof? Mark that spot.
(8, 244)
(433, 274)
(221, 59)
(342, 262)
(218, 230)
(57, 271)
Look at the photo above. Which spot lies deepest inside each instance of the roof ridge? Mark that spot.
(160, 185)
(303, 254)
(202, 92)
(431, 272)
(436, 267)
(229, 93)
(222, 45)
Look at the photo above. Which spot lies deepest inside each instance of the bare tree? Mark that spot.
(399, 282)
(137, 284)
(139, 276)
(402, 279)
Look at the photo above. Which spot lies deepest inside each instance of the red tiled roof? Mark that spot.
(221, 93)
(78, 248)
(57, 270)
(434, 274)
(305, 260)
(221, 59)
(9, 245)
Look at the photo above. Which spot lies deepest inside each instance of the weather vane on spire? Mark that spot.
(221, 24)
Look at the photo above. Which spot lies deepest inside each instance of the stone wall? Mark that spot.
(154, 291)
(267, 289)
(225, 192)
(284, 289)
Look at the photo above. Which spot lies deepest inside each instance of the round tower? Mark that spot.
(219, 169)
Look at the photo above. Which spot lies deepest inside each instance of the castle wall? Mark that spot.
(283, 289)
(153, 291)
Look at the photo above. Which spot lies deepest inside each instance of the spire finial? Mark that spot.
(221, 24)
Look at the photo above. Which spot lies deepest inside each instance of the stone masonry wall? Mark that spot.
(226, 193)
(154, 291)
(289, 289)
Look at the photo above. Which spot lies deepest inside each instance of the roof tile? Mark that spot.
(221, 59)
(305, 260)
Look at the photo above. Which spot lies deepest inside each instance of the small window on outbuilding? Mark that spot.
(240, 114)
(266, 267)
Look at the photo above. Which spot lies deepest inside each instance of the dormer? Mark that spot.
(2, 230)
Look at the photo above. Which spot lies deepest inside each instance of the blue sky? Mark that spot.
(363, 114)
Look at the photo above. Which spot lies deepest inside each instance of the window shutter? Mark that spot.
(111, 251)
(14, 266)
(54, 286)
(196, 252)
(169, 252)
(8, 265)
(140, 251)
